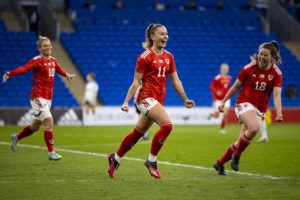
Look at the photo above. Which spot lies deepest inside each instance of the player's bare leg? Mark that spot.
(263, 131)
(48, 136)
(249, 118)
(87, 108)
(27, 130)
(160, 116)
(93, 110)
(214, 115)
(224, 120)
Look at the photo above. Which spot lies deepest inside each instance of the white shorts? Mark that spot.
(217, 103)
(41, 108)
(243, 107)
(145, 105)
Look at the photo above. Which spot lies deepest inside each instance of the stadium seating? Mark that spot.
(16, 50)
(109, 45)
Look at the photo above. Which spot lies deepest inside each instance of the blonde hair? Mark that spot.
(40, 40)
(150, 31)
(274, 49)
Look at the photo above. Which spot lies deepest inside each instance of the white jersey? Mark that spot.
(90, 89)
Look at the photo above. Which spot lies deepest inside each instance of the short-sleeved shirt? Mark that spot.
(43, 75)
(222, 84)
(258, 85)
(90, 89)
(155, 69)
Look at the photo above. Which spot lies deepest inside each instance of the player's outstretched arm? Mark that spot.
(277, 103)
(135, 84)
(236, 86)
(180, 91)
(5, 76)
(70, 77)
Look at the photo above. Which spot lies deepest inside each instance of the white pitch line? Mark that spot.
(143, 160)
(101, 145)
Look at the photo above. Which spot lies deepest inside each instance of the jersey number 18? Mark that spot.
(261, 86)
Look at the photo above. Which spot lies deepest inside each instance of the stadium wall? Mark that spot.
(112, 115)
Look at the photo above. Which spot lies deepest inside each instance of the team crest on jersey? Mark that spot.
(53, 63)
(261, 76)
(167, 61)
(253, 75)
(154, 61)
(270, 77)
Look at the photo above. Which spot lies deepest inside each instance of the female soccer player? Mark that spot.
(219, 87)
(91, 92)
(43, 67)
(152, 68)
(257, 79)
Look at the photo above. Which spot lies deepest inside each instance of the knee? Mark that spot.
(48, 123)
(49, 126)
(35, 127)
(253, 129)
(167, 127)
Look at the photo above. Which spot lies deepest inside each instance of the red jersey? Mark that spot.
(43, 75)
(258, 85)
(221, 84)
(155, 69)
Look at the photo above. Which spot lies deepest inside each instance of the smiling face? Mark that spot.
(45, 48)
(160, 37)
(264, 58)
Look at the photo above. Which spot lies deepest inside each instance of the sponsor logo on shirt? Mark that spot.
(270, 77)
(261, 76)
(160, 61)
(253, 75)
(154, 61)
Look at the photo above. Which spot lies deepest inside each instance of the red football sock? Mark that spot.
(223, 123)
(244, 141)
(160, 137)
(129, 141)
(227, 156)
(25, 132)
(48, 136)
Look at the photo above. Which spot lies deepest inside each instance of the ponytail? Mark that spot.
(150, 31)
(276, 52)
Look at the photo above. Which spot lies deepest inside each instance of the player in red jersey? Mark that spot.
(43, 68)
(153, 66)
(258, 79)
(219, 87)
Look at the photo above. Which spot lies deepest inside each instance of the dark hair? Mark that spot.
(274, 49)
(150, 31)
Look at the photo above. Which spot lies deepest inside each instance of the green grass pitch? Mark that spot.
(27, 173)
